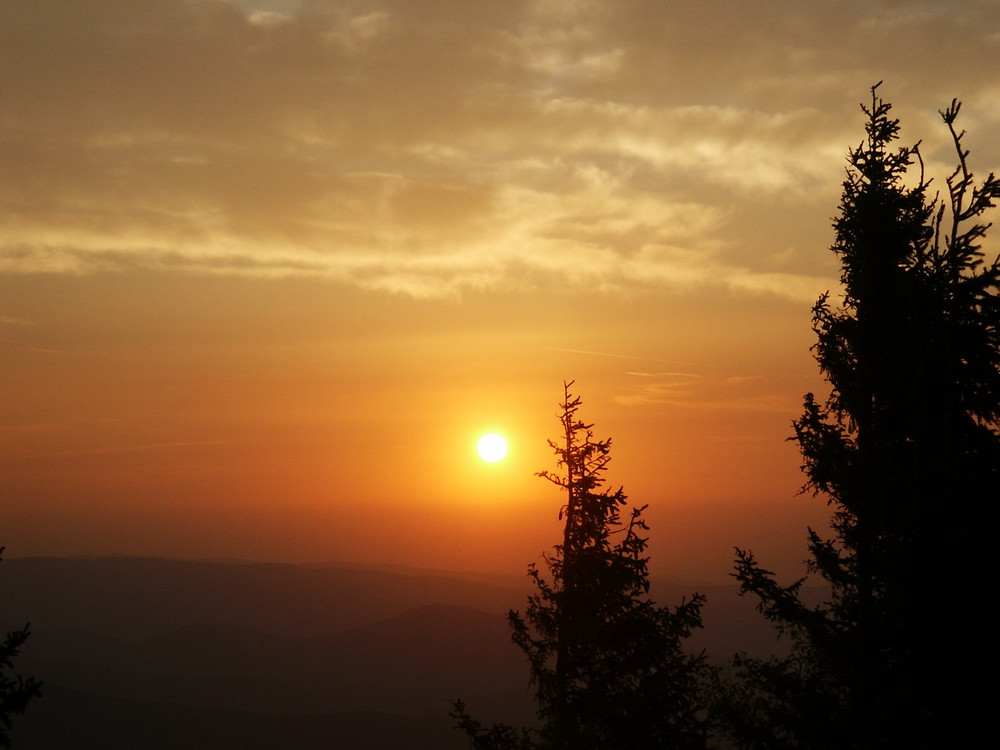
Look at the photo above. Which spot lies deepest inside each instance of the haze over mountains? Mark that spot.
(157, 653)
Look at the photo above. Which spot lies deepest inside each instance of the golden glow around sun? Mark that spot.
(492, 447)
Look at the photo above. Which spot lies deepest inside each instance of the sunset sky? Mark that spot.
(270, 268)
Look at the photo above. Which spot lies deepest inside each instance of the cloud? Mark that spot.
(594, 354)
(268, 18)
(747, 393)
(433, 147)
(115, 449)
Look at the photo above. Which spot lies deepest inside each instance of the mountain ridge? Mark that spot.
(285, 640)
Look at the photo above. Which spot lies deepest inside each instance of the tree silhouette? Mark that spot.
(607, 664)
(907, 452)
(15, 690)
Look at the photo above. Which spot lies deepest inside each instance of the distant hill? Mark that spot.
(135, 597)
(233, 649)
(411, 664)
(71, 720)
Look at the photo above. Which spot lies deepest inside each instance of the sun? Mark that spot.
(492, 447)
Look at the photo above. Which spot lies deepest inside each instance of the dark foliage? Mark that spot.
(496, 736)
(15, 690)
(607, 664)
(906, 450)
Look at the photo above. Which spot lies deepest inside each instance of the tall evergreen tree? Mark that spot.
(906, 449)
(607, 663)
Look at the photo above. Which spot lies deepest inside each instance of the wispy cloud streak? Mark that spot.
(116, 449)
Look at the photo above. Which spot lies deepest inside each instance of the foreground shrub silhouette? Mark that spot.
(15, 690)
(907, 452)
(607, 664)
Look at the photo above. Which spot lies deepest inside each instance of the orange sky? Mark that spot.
(269, 269)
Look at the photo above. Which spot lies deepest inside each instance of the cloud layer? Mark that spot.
(432, 147)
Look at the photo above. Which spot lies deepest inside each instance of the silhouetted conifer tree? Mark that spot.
(15, 690)
(906, 450)
(607, 664)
